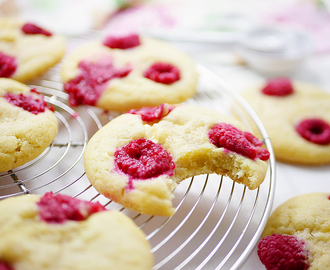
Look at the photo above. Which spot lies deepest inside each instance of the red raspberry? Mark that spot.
(163, 73)
(88, 86)
(8, 65)
(28, 103)
(314, 130)
(144, 159)
(278, 87)
(283, 252)
(60, 208)
(5, 266)
(233, 139)
(32, 29)
(150, 114)
(123, 43)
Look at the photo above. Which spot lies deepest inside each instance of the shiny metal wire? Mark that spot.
(217, 222)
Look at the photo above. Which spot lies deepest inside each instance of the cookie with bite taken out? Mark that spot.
(138, 158)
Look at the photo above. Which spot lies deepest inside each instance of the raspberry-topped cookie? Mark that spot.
(28, 124)
(297, 234)
(27, 50)
(296, 116)
(138, 158)
(56, 231)
(120, 73)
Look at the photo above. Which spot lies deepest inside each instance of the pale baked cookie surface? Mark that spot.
(31, 54)
(24, 133)
(124, 84)
(58, 232)
(298, 230)
(162, 152)
(281, 115)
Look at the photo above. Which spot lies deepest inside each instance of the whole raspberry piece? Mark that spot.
(150, 114)
(163, 73)
(7, 65)
(125, 42)
(314, 130)
(144, 159)
(233, 139)
(283, 252)
(32, 29)
(58, 208)
(280, 86)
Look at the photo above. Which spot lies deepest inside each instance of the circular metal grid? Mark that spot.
(217, 221)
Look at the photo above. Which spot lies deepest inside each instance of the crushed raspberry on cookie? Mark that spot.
(280, 86)
(93, 77)
(278, 252)
(163, 73)
(151, 114)
(29, 103)
(122, 42)
(8, 65)
(32, 29)
(57, 208)
(314, 130)
(143, 159)
(5, 266)
(233, 139)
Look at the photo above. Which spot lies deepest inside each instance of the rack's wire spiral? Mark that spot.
(217, 222)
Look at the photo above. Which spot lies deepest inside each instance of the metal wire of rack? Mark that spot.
(217, 221)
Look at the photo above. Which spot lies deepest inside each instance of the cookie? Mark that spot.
(138, 158)
(26, 50)
(296, 116)
(131, 72)
(28, 124)
(61, 232)
(297, 234)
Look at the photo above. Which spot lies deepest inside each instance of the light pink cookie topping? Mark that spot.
(32, 29)
(29, 103)
(243, 143)
(163, 73)
(58, 208)
(143, 159)
(314, 130)
(279, 86)
(122, 42)
(151, 114)
(280, 252)
(8, 65)
(93, 77)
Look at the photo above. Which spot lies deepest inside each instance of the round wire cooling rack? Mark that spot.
(217, 221)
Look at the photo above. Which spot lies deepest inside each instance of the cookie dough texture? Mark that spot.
(183, 133)
(280, 115)
(308, 218)
(106, 240)
(135, 91)
(35, 54)
(23, 135)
